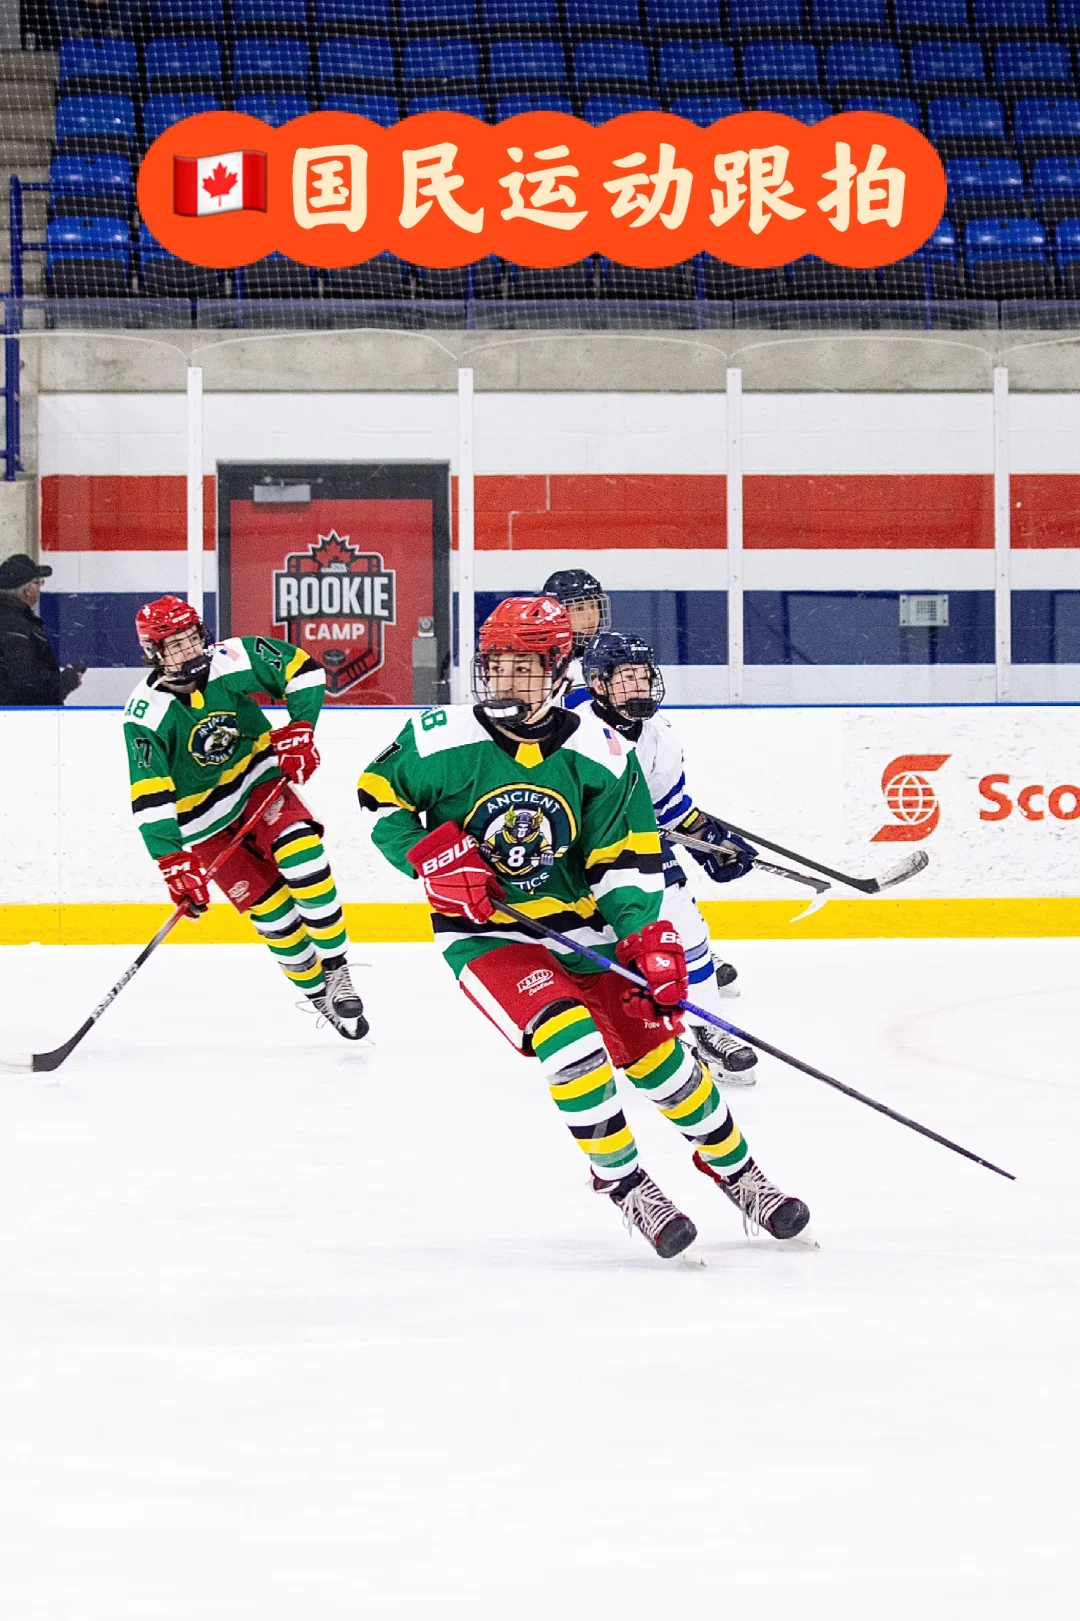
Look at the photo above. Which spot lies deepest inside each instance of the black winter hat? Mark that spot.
(17, 571)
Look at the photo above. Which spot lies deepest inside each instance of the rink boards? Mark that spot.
(991, 794)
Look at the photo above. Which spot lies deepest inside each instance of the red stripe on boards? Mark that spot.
(110, 512)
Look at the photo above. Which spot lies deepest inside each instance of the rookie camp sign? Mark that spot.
(542, 189)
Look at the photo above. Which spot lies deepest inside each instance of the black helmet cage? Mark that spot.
(573, 588)
(624, 651)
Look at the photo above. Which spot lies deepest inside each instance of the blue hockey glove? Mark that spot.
(725, 865)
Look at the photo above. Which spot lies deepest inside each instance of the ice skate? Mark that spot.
(352, 1029)
(644, 1206)
(760, 1202)
(341, 993)
(726, 975)
(726, 1057)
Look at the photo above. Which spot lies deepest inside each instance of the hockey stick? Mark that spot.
(755, 1041)
(43, 1063)
(817, 884)
(917, 861)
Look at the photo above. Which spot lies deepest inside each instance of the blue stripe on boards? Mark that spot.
(1046, 627)
(98, 627)
(681, 627)
(863, 627)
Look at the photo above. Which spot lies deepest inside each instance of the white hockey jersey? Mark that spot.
(661, 755)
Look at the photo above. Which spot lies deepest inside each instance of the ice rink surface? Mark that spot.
(294, 1331)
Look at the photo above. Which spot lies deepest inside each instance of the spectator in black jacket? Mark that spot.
(29, 673)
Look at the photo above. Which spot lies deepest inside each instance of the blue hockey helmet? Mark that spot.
(605, 656)
(584, 599)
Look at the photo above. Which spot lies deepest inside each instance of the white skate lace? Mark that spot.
(647, 1209)
(757, 1198)
(337, 980)
(717, 1041)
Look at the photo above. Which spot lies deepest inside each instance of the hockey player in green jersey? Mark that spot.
(520, 799)
(201, 756)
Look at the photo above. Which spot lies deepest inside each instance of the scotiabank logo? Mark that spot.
(1032, 801)
(910, 798)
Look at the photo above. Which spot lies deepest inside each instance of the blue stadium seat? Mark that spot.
(696, 63)
(598, 109)
(162, 275)
(807, 109)
(850, 19)
(1055, 187)
(671, 283)
(750, 19)
(868, 67)
(1042, 127)
(507, 17)
(98, 67)
(273, 110)
(567, 281)
(599, 63)
(98, 183)
(931, 19)
(947, 67)
(385, 276)
(271, 67)
(429, 64)
(968, 127)
(1006, 258)
(88, 256)
(202, 17)
(275, 277)
(1011, 19)
(95, 124)
(1021, 69)
(717, 280)
(1067, 257)
(351, 66)
(811, 277)
(443, 17)
(270, 18)
(982, 187)
(181, 66)
(1068, 19)
(705, 110)
(932, 272)
(780, 67)
(523, 101)
(436, 102)
(353, 17)
(162, 112)
(586, 18)
(524, 63)
(896, 106)
(383, 110)
(684, 20)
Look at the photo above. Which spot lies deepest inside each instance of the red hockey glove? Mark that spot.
(295, 748)
(186, 877)
(656, 953)
(457, 879)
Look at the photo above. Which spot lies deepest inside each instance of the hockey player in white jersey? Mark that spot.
(626, 690)
(588, 608)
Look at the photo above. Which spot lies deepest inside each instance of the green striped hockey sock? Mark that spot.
(302, 862)
(581, 1080)
(688, 1096)
(279, 922)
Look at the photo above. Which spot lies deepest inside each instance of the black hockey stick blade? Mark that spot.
(537, 927)
(45, 1063)
(869, 886)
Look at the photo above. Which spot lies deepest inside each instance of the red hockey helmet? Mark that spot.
(530, 625)
(156, 621)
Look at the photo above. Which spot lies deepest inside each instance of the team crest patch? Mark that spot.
(335, 602)
(522, 831)
(214, 740)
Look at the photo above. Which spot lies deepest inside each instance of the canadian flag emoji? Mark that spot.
(220, 184)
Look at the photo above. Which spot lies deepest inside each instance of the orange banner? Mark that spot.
(543, 189)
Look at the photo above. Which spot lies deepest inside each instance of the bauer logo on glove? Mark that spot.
(455, 876)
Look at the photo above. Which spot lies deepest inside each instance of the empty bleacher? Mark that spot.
(994, 84)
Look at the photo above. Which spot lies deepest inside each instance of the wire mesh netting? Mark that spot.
(88, 85)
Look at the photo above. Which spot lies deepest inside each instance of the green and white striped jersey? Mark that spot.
(195, 757)
(566, 824)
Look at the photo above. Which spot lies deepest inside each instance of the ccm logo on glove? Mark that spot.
(295, 748)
